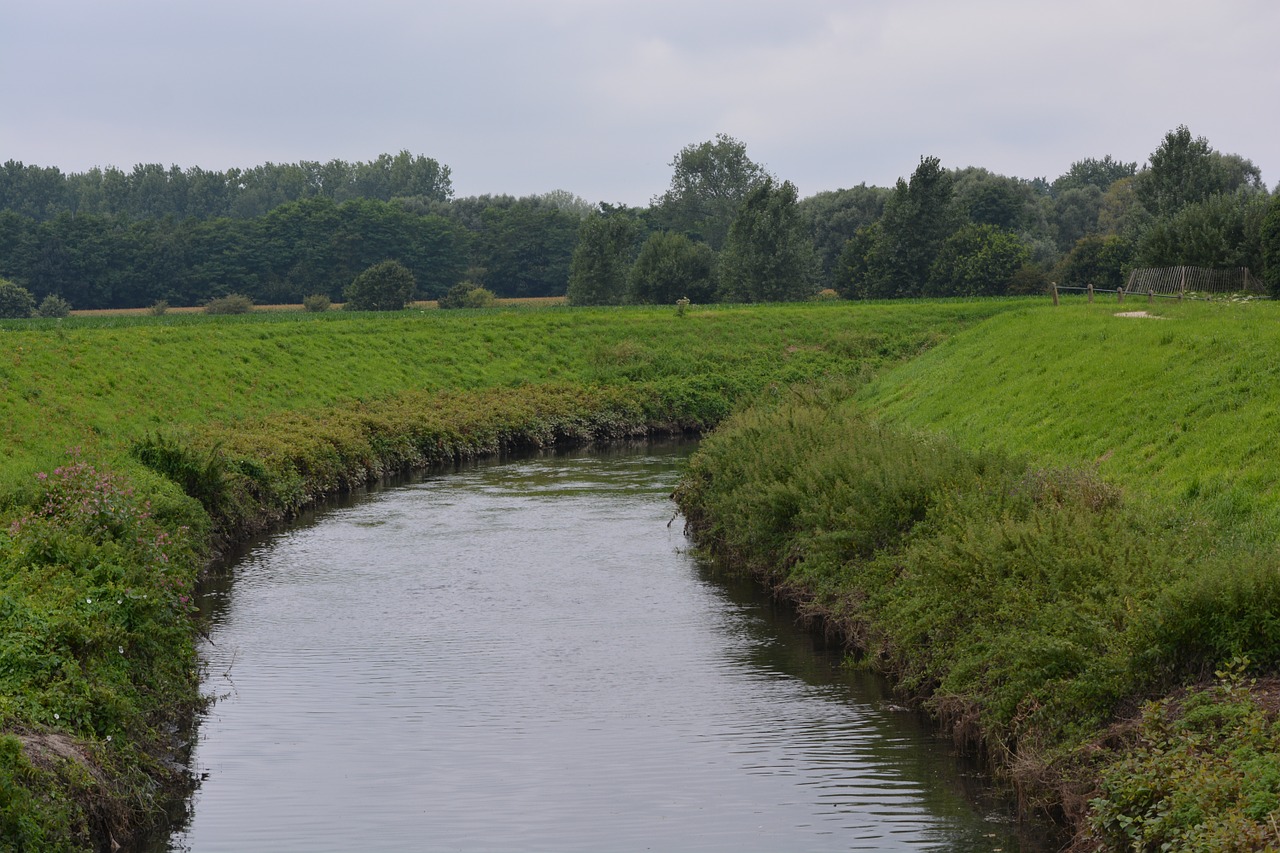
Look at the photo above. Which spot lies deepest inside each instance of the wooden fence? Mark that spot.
(1178, 283)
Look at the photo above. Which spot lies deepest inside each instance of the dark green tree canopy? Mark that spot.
(708, 184)
(606, 246)
(834, 217)
(1270, 240)
(768, 256)
(387, 286)
(1222, 231)
(918, 218)
(1101, 261)
(16, 301)
(669, 267)
(1185, 170)
(1090, 172)
(977, 260)
(151, 190)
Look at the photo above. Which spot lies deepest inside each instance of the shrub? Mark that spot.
(159, 307)
(387, 286)
(467, 294)
(317, 302)
(232, 303)
(15, 301)
(53, 306)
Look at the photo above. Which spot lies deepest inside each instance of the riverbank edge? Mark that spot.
(69, 790)
(770, 495)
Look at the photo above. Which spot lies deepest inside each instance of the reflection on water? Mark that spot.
(524, 656)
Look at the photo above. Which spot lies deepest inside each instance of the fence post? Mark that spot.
(1150, 296)
(1055, 293)
(1090, 293)
(1120, 294)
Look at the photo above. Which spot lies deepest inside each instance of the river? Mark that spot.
(525, 656)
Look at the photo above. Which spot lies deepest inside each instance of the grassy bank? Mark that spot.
(190, 430)
(1035, 527)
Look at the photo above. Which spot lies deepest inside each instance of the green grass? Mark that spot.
(1184, 409)
(1034, 527)
(190, 430)
(100, 383)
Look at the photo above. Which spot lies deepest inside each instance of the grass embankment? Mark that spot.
(193, 427)
(1034, 527)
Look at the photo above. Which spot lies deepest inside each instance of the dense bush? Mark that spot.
(387, 286)
(232, 303)
(1201, 772)
(1024, 607)
(53, 306)
(16, 301)
(467, 294)
(316, 302)
(158, 308)
(670, 266)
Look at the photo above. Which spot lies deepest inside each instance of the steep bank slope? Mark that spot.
(1183, 406)
(1034, 527)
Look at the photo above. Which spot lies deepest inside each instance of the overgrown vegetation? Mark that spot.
(194, 430)
(948, 522)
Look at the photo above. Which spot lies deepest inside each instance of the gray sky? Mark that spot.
(596, 97)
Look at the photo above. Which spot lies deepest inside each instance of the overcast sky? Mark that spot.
(597, 97)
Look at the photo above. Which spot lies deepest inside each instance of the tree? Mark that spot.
(1089, 172)
(1221, 231)
(834, 217)
(606, 245)
(990, 199)
(918, 218)
(466, 294)
(1097, 260)
(1184, 170)
(768, 256)
(670, 266)
(524, 246)
(386, 286)
(1270, 239)
(708, 184)
(1076, 213)
(977, 260)
(853, 279)
(16, 302)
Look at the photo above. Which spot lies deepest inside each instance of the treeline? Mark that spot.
(317, 245)
(725, 230)
(151, 191)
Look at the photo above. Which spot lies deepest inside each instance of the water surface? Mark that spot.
(524, 656)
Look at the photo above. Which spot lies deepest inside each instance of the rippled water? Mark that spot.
(523, 656)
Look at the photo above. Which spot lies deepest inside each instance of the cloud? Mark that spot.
(598, 97)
